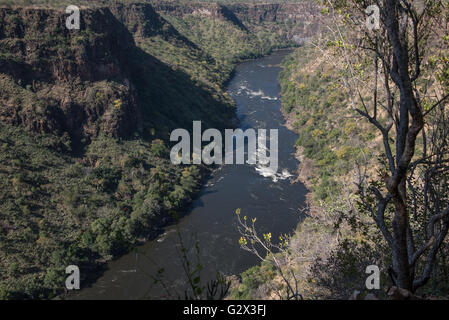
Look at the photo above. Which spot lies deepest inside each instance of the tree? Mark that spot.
(407, 104)
(276, 255)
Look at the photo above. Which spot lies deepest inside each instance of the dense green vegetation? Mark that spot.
(329, 133)
(58, 210)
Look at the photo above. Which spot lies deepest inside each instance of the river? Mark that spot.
(274, 200)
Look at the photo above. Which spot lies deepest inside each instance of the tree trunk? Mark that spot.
(400, 254)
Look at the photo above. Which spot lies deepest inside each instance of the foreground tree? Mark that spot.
(276, 255)
(401, 65)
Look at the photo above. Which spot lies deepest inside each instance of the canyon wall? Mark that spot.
(300, 21)
(56, 80)
(297, 21)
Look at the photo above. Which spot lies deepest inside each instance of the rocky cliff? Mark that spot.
(300, 21)
(297, 21)
(213, 10)
(55, 79)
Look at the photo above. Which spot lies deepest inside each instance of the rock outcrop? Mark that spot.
(297, 21)
(74, 81)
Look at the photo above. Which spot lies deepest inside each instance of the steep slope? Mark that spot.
(53, 79)
(159, 38)
(297, 22)
(234, 31)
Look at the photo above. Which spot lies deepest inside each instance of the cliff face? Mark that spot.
(297, 21)
(143, 21)
(300, 20)
(212, 10)
(305, 11)
(55, 79)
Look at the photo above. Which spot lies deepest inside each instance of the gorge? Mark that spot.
(275, 199)
(94, 108)
(88, 179)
